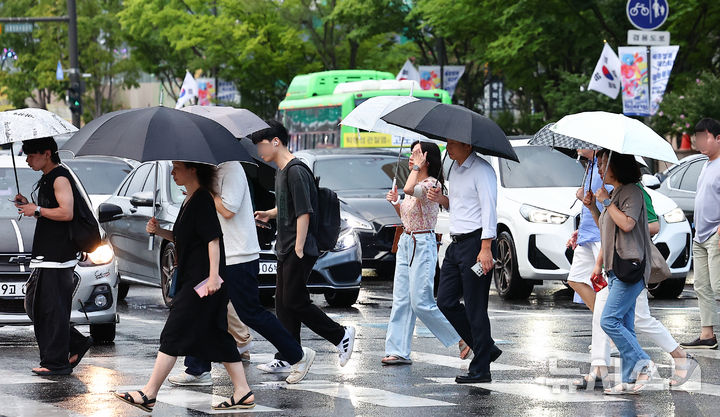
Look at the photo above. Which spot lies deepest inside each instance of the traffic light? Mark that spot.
(74, 97)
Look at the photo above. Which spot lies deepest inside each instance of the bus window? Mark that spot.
(312, 125)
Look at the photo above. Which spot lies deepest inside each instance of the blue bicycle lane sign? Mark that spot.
(647, 14)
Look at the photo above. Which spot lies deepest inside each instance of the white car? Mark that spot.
(96, 277)
(537, 212)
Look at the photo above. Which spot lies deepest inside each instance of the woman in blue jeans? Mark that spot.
(624, 237)
(416, 259)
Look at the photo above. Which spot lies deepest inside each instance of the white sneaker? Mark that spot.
(185, 379)
(276, 366)
(346, 345)
(300, 369)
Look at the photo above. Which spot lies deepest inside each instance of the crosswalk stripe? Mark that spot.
(198, 401)
(536, 392)
(12, 405)
(456, 362)
(11, 378)
(360, 394)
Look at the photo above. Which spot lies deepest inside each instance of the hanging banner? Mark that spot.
(451, 76)
(635, 81)
(206, 91)
(662, 59)
(606, 77)
(430, 77)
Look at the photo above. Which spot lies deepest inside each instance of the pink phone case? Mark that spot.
(201, 288)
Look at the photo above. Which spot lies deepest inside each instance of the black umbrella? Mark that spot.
(157, 134)
(449, 121)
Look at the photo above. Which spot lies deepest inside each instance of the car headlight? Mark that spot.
(101, 256)
(538, 215)
(345, 241)
(355, 222)
(675, 215)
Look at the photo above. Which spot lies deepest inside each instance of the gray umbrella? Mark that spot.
(240, 122)
(450, 121)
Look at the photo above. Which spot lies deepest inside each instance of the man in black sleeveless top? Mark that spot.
(54, 257)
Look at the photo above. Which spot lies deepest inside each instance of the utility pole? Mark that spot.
(76, 90)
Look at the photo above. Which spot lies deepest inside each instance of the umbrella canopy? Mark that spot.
(617, 133)
(367, 116)
(156, 134)
(26, 124)
(546, 137)
(240, 122)
(449, 121)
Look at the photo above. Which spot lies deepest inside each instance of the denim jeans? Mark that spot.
(618, 322)
(413, 296)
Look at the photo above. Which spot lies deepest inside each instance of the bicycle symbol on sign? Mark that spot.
(639, 8)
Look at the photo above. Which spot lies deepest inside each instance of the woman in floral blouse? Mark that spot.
(416, 259)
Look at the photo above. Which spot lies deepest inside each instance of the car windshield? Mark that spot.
(540, 167)
(366, 172)
(99, 177)
(27, 179)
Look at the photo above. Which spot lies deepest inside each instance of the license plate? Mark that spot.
(12, 289)
(268, 268)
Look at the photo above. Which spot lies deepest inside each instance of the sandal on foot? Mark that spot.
(147, 404)
(621, 389)
(83, 350)
(51, 372)
(649, 370)
(590, 379)
(395, 360)
(689, 367)
(232, 405)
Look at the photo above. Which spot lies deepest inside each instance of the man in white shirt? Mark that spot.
(242, 256)
(472, 203)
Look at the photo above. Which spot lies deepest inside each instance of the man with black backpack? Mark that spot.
(54, 257)
(300, 240)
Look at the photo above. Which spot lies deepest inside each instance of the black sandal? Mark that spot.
(83, 350)
(147, 404)
(232, 405)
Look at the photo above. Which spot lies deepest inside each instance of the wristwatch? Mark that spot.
(37, 211)
(416, 167)
(606, 203)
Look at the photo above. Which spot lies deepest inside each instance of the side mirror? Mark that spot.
(108, 212)
(651, 181)
(142, 199)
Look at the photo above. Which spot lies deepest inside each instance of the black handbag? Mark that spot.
(30, 288)
(628, 271)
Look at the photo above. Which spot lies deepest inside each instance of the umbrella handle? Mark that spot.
(17, 183)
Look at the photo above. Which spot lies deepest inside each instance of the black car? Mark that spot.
(362, 178)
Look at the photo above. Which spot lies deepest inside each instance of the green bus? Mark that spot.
(316, 103)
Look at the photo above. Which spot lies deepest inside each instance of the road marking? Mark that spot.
(195, 400)
(536, 392)
(11, 378)
(448, 361)
(12, 405)
(360, 394)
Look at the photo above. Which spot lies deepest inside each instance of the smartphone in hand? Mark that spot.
(263, 225)
(478, 269)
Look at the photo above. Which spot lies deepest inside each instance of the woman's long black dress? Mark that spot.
(198, 326)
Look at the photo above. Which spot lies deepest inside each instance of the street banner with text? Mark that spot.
(635, 81)
(662, 59)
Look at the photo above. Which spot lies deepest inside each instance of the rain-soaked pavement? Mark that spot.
(544, 339)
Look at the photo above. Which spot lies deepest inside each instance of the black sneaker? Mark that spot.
(701, 344)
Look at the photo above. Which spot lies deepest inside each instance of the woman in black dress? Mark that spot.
(196, 325)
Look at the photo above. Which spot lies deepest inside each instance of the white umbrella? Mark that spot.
(367, 116)
(27, 124)
(617, 133)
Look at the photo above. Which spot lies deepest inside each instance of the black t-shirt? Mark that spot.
(295, 194)
(52, 238)
(196, 226)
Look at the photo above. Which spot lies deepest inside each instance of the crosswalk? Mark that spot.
(327, 379)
